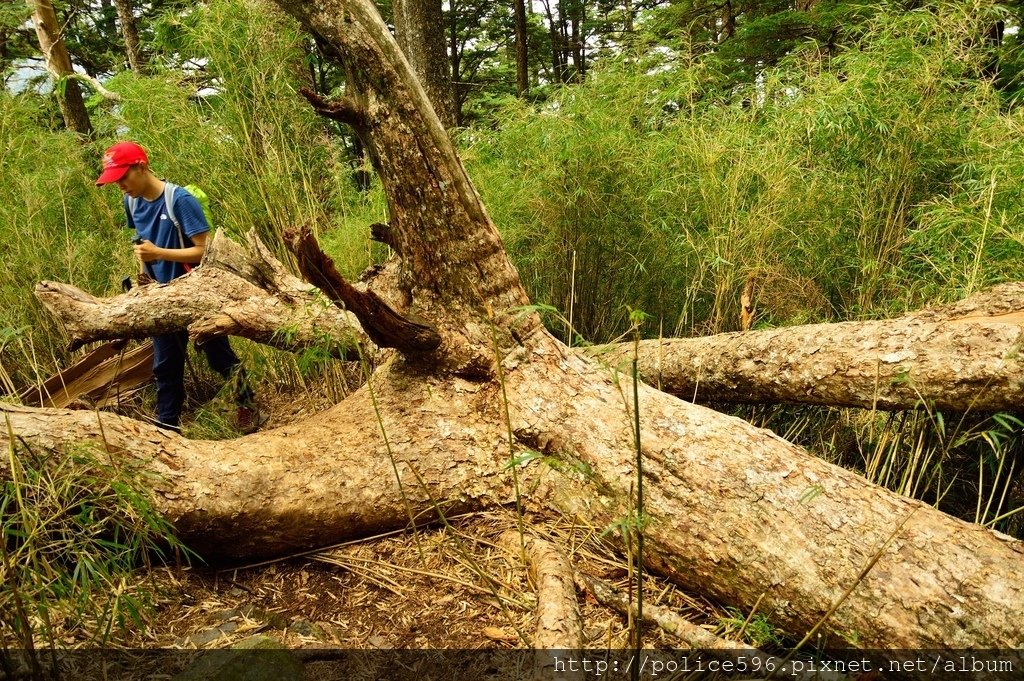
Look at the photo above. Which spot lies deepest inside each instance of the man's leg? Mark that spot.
(218, 352)
(169, 370)
(225, 362)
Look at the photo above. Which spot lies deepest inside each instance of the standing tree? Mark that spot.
(58, 62)
(522, 50)
(469, 379)
(132, 46)
(419, 28)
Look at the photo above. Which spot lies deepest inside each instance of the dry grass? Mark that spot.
(385, 592)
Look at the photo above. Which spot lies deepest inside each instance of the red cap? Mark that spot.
(118, 159)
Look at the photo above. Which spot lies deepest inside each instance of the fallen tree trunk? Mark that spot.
(238, 291)
(733, 511)
(962, 357)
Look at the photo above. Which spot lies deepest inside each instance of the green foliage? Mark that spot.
(860, 185)
(964, 464)
(54, 224)
(249, 141)
(74, 527)
(755, 629)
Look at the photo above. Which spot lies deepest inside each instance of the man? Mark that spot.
(167, 252)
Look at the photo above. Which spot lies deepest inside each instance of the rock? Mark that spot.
(259, 658)
(307, 629)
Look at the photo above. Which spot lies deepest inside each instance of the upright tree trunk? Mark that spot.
(728, 19)
(58, 63)
(559, 40)
(579, 49)
(522, 50)
(419, 28)
(130, 31)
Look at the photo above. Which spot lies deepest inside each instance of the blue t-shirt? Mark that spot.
(151, 223)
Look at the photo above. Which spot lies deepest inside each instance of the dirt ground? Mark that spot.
(441, 587)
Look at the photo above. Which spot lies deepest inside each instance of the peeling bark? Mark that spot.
(961, 357)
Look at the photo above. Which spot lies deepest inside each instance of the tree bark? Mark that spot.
(959, 357)
(734, 511)
(522, 50)
(559, 624)
(130, 31)
(419, 28)
(238, 292)
(58, 63)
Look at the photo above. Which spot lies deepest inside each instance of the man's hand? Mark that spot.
(147, 252)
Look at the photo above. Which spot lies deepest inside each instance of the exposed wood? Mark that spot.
(960, 357)
(102, 378)
(735, 511)
(96, 85)
(454, 270)
(385, 327)
(239, 292)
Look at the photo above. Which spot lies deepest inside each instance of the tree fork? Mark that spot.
(734, 511)
(385, 327)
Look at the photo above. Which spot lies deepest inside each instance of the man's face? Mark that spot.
(133, 182)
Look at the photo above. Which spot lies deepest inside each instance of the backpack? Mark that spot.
(169, 198)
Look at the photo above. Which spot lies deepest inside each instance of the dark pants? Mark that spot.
(169, 353)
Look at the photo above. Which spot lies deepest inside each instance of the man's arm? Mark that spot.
(147, 252)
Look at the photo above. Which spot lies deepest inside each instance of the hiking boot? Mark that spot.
(249, 419)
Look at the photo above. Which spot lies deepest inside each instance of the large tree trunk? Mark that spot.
(238, 291)
(733, 511)
(958, 357)
(58, 63)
